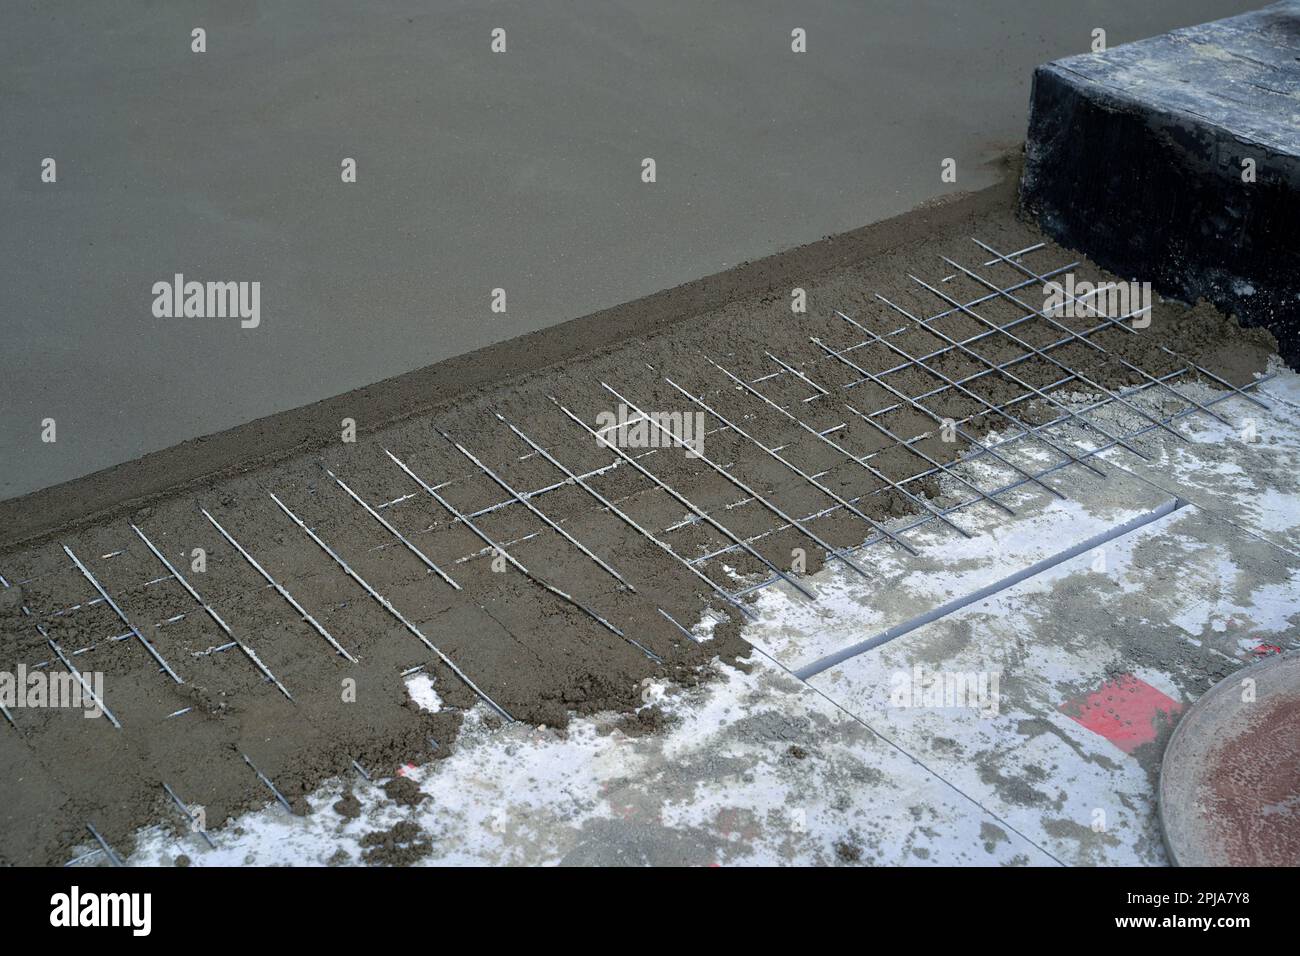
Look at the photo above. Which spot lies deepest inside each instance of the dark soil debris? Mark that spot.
(400, 845)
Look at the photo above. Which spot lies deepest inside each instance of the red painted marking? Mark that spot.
(1263, 650)
(1126, 711)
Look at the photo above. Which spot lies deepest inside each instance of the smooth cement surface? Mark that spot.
(475, 171)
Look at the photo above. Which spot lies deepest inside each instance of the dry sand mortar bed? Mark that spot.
(530, 565)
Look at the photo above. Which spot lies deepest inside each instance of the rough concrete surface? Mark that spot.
(559, 634)
(754, 767)
(1062, 637)
(476, 171)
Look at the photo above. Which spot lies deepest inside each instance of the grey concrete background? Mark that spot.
(476, 171)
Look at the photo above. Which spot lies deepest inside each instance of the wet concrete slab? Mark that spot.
(475, 171)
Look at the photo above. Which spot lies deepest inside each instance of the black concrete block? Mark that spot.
(1136, 157)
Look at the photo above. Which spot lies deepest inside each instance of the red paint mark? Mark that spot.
(1126, 711)
(405, 769)
(1263, 650)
